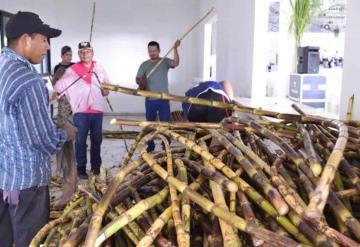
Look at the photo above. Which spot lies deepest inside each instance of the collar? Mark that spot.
(12, 55)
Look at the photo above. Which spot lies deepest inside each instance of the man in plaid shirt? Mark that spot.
(28, 136)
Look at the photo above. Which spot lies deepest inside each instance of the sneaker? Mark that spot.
(82, 174)
(95, 171)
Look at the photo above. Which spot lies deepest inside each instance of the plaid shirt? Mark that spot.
(28, 136)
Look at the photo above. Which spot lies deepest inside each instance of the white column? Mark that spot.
(351, 74)
(235, 44)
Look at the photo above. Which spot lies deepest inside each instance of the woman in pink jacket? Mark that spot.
(87, 102)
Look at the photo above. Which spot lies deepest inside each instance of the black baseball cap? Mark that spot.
(85, 45)
(65, 49)
(28, 22)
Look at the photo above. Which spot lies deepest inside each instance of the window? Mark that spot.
(4, 18)
(45, 67)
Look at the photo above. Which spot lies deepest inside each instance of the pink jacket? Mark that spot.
(85, 95)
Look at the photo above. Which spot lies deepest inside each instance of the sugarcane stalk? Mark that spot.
(97, 216)
(47, 228)
(180, 39)
(344, 166)
(248, 214)
(50, 236)
(211, 207)
(253, 194)
(130, 215)
(128, 232)
(212, 175)
(155, 229)
(135, 228)
(339, 185)
(334, 202)
(319, 196)
(228, 233)
(79, 235)
(310, 151)
(170, 125)
(347, 193)
(183, 239)
(192, 100)
(185, 203)
(232, 202)
(315, 237)
(275, 226)
(350, 108)
(287, 192)
(133, 146)
(272, 194)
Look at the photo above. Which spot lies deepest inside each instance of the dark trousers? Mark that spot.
(86, 123)
(20, 223)
(153, 107)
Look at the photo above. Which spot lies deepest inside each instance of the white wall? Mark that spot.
(121, 33)
(235, 42)
(351, 70)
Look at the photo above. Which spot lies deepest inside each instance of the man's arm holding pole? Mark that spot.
(176, 60)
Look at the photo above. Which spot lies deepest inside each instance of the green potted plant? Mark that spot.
(302, 13)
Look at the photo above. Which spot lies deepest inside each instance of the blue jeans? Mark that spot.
(152, 107)
(85, 122)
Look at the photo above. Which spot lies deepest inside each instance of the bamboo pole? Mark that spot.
(180, 39)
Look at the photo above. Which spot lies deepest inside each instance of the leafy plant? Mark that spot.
(302, 13)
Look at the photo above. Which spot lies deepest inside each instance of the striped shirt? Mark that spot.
(28, 136)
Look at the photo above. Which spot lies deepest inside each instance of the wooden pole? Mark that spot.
(92, 21)
(182, 37)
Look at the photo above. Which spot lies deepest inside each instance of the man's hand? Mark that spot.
(142, 83)
(105, 92)
(177, 44)
(55, 96)
(71, 131)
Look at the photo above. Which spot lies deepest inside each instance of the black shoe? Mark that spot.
(82, 173)
(95, 171)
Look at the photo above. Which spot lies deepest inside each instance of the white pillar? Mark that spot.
(235, 44)
(351, 73)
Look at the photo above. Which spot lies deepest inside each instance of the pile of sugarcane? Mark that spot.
(286, 182)
(231, 184)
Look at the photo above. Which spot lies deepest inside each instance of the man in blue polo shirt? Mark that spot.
(28, 136)
(210, 90)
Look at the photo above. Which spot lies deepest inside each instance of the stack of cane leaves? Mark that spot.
(236, 183)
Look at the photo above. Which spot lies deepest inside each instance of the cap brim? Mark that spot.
(49, 32)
